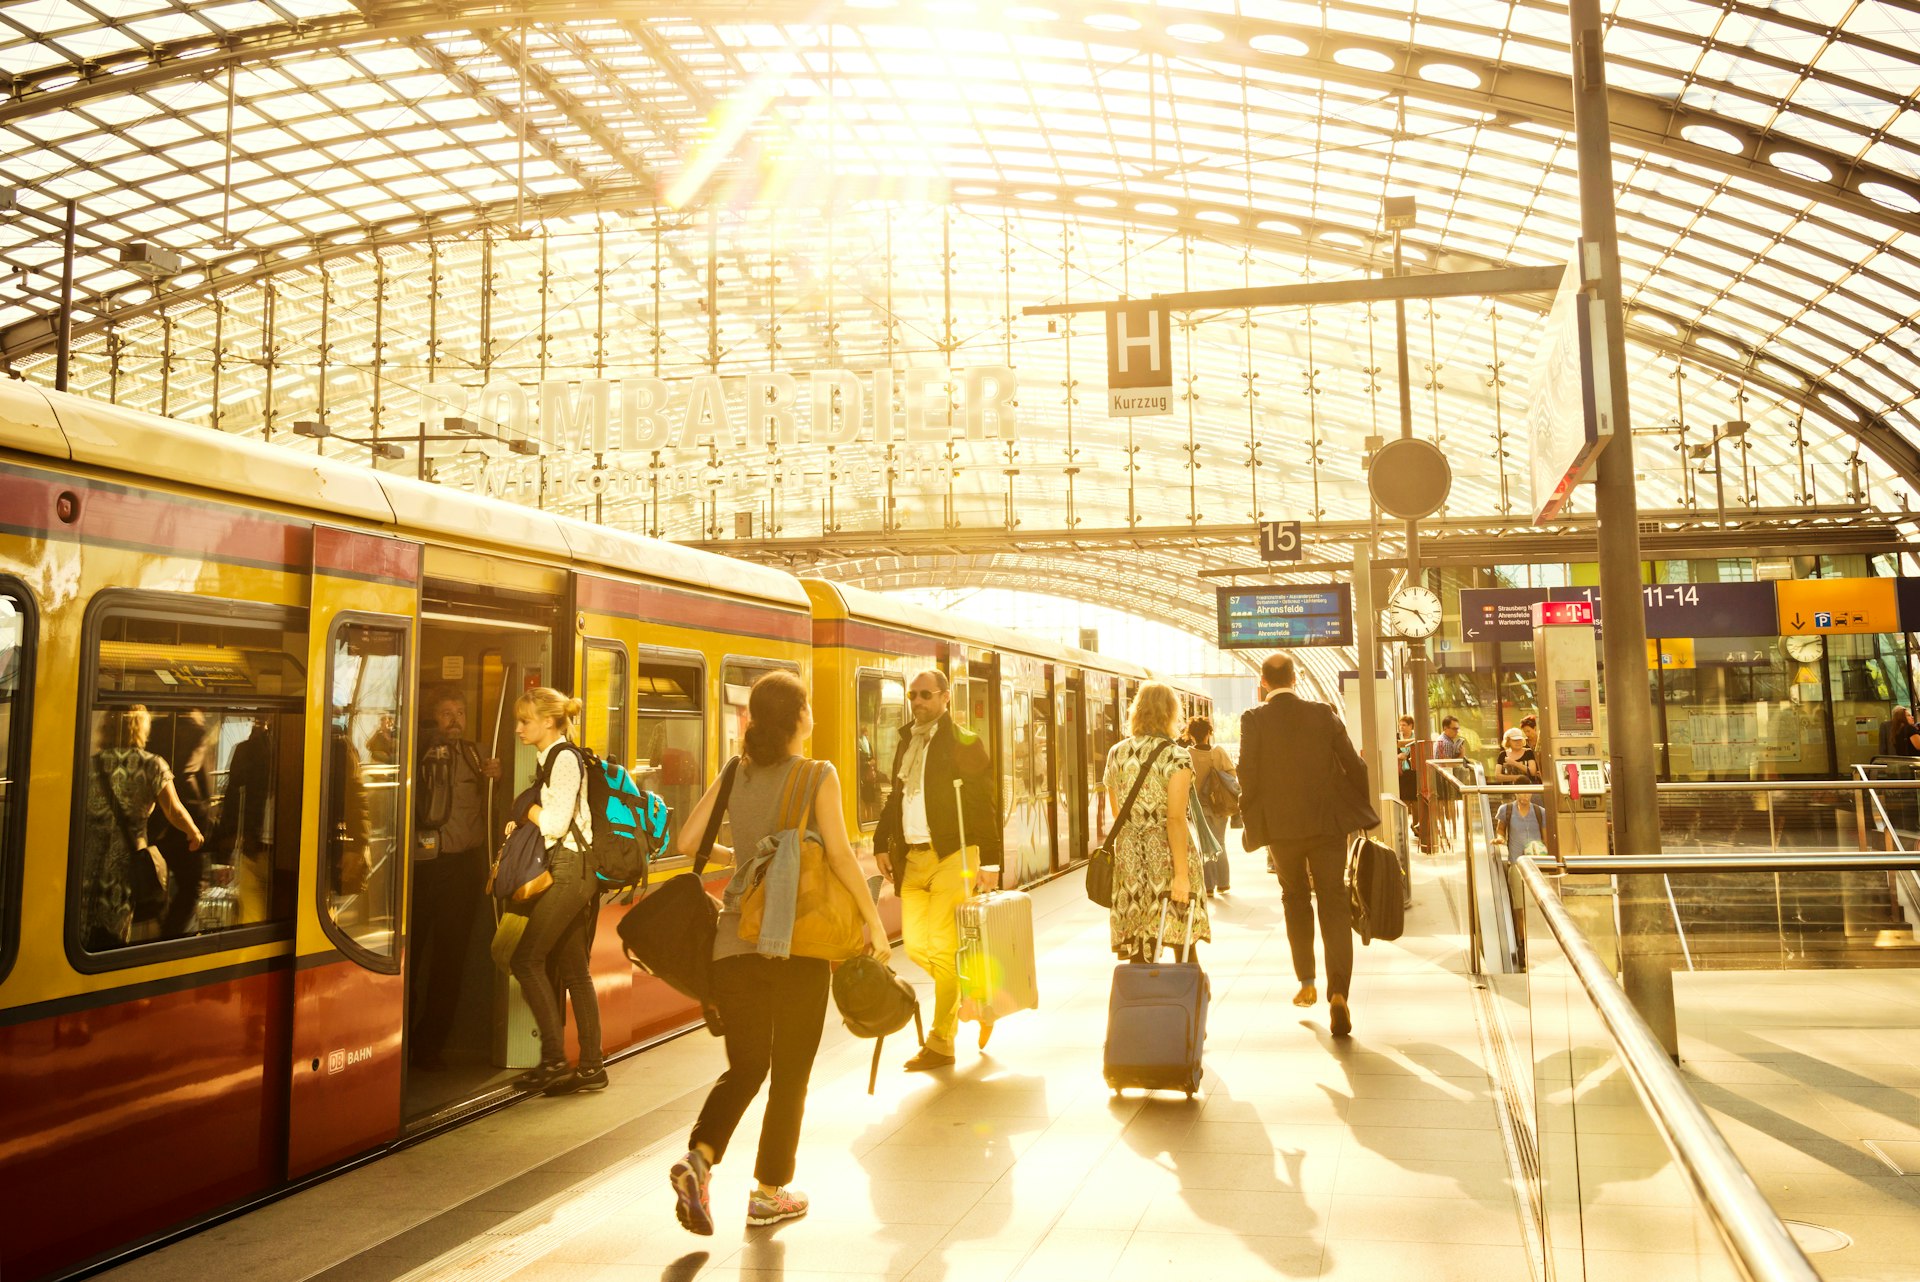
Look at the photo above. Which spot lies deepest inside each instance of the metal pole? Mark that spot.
(63, 347)
(1646, 947)
(1367, 621)
(1416, 648)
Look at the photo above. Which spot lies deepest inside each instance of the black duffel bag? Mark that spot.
(669, 932)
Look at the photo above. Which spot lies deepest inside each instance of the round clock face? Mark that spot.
(1414, 612)
(1805, 649)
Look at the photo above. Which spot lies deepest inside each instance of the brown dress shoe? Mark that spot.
(927, 1058)
(1307, 995)
(1342, 1017)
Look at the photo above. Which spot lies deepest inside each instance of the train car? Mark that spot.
(274, 629)
(1049, 714)
(277, 633)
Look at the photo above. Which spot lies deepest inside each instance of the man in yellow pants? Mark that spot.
(918, 845)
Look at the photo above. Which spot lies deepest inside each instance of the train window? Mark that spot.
(736, 683)
(361, 787)
(604, 723)
(881, 709)
(16, 671)
(670, 697)
(191, 725)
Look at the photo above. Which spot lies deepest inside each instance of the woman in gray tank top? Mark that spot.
(772, 1009)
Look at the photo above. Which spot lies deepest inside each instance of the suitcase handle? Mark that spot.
(1160, 940)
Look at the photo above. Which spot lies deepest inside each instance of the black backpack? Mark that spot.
(1376, 895)
(873, 1002)
(669, 933)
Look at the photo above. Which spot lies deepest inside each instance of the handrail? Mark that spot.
(1762, 1248)
(1799, 861)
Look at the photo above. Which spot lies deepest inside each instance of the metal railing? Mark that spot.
(1759, 1246)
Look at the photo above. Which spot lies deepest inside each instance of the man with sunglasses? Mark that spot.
(918, 846)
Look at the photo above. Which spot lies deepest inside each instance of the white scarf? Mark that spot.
(913, 773)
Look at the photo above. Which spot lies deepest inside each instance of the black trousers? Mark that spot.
(558, 931)
(446, 901)
(773, 1011)
(1313, 871)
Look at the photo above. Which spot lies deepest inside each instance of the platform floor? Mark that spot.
(1378, 1158)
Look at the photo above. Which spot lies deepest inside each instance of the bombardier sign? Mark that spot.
(1139, 360)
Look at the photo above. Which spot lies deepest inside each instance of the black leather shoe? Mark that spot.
(580, 1079)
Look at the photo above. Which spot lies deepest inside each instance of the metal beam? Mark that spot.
(1364, 289)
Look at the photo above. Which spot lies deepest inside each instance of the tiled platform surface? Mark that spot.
(1813, 1076)
(1377, 1158)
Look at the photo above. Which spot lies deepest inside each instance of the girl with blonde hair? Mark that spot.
(1152, 862)
(559, 928)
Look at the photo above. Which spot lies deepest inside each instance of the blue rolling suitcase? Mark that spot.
(1157, 1022)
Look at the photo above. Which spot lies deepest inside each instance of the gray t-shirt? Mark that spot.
(753, 811)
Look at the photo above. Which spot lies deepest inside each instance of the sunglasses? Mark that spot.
(917, 695)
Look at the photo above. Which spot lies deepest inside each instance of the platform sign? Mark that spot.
(1280, 540)
(1139, 360)
(1711, 610)
(1907, 591)
(1671, 654)
(1284, 617)
(1814, 607)
(1498, 614)
(1569, 397)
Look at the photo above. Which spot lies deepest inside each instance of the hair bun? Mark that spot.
(574, 707)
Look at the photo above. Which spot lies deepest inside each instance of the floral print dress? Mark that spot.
(137, 778)
(1142, 860)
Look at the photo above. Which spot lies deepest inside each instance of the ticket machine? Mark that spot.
(1573, 760)
(1572, 734)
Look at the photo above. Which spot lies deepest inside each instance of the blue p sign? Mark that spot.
(1822, 620)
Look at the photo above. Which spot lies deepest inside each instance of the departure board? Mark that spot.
(1283, 617)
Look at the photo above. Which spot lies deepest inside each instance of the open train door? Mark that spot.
(349, 995)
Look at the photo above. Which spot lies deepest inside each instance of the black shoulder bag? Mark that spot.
(1100, 863)
(669, 933)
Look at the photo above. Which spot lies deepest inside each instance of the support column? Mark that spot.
(1366, 619)
(1645, 930)
(1417, 647)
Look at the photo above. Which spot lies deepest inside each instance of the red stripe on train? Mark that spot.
(152, 522)
(850, 634)
(365, 556)
(653, 603)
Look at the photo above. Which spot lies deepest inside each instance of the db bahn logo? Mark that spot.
(336, 1061)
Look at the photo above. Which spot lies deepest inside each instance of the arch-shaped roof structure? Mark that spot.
(383, 209)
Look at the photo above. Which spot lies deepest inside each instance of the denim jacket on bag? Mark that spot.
(777, 864)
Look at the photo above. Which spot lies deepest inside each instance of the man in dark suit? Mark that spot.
(1302, 790)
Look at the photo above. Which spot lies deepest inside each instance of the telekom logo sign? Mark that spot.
(1548, 613)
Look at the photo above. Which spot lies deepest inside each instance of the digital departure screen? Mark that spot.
(1279, 618)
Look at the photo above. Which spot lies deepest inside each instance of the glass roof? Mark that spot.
(371, 200)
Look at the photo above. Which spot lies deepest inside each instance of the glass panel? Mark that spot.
(736, 683)
(364, 823)
(16, 665)
(209, 746)
(671, 750)
(604, 722)
(882, 710)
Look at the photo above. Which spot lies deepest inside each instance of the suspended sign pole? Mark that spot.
(1645, 931)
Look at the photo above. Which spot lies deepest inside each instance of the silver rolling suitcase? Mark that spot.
(996, 962)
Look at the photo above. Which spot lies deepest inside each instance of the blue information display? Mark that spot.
(1279, 618)
(1711, 610)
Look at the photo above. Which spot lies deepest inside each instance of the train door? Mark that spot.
(349, 992)
(487, 631)
(1070, 748)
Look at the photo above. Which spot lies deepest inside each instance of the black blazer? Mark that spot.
(953, 752)
(1300, 777)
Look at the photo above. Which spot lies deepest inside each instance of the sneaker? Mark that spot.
(771, 1208)
(689, 1177)
(580, 1079)
(545, 1075)
(926, 1058)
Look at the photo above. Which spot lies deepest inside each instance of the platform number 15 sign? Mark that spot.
(1279, 540)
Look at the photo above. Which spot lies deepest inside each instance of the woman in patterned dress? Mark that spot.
(1151, 855)
(140, 781)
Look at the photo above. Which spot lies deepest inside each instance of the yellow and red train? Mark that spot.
(286, 621)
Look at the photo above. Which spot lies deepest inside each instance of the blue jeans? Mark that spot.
(557, 929)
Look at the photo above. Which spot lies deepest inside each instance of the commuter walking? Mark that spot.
(1151, 860)
(1210, 824)
(918, 845)
(449, 873)
(558, 928)
(125, 784)
(771, 1009)
(1450, 746)
(1516, 762)
(1303, 790)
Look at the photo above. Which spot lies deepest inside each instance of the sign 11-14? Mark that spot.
(1670, 594)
